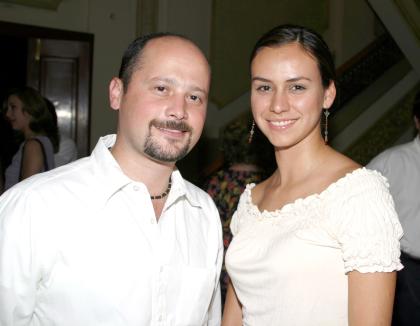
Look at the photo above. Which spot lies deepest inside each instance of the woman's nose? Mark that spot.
(279, 103)
(8, 114)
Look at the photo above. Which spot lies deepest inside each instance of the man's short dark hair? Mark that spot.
(134, 51)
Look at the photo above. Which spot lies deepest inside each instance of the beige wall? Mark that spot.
(187, 17)
(352, 27)
(113, 24)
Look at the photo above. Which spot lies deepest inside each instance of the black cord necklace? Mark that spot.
(163, 194)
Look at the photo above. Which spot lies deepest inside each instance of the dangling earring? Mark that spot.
(326, 114)
(251, 132)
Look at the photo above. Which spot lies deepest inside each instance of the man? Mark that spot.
(401, 166)
(120, 238)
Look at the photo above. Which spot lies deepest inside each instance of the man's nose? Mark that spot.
(177, 107)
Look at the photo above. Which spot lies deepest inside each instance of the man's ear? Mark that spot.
(329, 95)
(116, 92)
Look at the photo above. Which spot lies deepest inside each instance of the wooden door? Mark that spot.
(61, 71)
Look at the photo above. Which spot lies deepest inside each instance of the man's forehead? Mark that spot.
(172, 39)
(164, 58)
(161, 44)
(171, 47)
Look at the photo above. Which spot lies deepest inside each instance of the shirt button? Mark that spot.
(152, 220)
(160, 317)
(136, 188)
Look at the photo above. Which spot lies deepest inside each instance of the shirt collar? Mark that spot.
(111, 178)
(181, 189)
(106, 169)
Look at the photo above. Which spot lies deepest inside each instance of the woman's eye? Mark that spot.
(264, 88)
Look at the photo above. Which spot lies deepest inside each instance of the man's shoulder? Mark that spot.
(395, 153)
(74, 173)
(196, 192)
(402, 148)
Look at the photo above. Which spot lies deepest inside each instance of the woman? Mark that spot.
(317, 243)
(27, 113)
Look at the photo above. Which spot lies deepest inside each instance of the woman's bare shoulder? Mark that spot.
(339, 165)
(32, 146)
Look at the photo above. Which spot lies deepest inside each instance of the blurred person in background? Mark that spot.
(27, 112)
(9, 144)
(245, 161)
(401, 166)
(67, 149)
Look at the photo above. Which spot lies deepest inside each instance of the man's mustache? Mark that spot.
(171, 124)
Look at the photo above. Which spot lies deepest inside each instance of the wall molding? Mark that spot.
(44, 4)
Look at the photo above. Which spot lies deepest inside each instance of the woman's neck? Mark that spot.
(300, 161)
(28, 133)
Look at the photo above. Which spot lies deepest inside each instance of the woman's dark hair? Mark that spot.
(41, 119)
(310, 41)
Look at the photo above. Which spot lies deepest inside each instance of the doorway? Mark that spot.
(58, 64)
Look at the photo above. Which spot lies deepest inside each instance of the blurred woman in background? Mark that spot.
(244, 162)
(27, 112)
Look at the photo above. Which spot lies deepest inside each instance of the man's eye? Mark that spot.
(298, 88)
(195, 98)
(160, 88)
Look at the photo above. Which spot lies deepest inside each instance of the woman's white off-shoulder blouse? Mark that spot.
(289, 266)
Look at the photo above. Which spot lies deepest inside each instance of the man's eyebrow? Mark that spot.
(198, 89)
(166, 80)
(174, 82)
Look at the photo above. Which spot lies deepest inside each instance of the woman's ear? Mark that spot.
(417, 123)
(329, 95)
(116, 92)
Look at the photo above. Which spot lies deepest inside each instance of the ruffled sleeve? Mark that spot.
(243, 212)
(366, 224)
(234, 224)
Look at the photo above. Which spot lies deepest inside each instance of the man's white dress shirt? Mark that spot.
(401, 166)
(80, 245)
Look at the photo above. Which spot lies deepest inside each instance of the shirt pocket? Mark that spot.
(195, 294)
